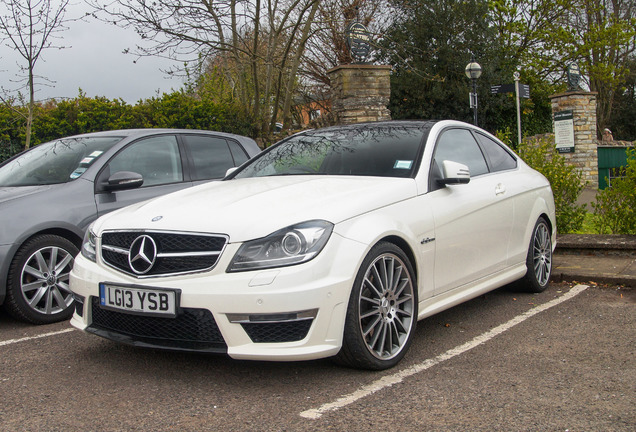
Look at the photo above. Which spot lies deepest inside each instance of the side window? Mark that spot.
(238, 153)
(157, 159)
(500, 159)
(210, 155)
(458, 145)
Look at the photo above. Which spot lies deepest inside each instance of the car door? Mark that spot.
(502, 161)
(211, 156)
(158, 160)
(472, 221)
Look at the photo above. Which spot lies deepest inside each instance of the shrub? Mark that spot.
(615, 207)
(566, 181)
(179, 109)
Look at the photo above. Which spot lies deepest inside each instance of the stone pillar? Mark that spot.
(360, 93)
(583, 107)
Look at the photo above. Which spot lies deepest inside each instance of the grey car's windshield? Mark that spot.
(55, 162)
(389, 151)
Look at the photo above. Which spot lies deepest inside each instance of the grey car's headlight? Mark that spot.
(292, 245)
(89, 250)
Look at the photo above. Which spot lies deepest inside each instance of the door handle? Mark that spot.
(500, 189)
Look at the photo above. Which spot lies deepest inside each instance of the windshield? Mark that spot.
(54, 162)
(383, 150)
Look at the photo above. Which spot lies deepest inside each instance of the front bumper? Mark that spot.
(6, 254)
(289, 313)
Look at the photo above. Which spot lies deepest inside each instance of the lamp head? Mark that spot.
(473, 70)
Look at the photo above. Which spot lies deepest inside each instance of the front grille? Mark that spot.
(172, 253)
(192, 329)
(289, 331)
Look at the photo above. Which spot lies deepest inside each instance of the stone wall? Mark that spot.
(360, 93)
(583, 107)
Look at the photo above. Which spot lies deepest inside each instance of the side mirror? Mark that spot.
(122, 180)
(230, 171)
(454, 173)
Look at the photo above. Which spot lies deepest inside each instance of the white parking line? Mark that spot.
(398, 377)
(40, 336)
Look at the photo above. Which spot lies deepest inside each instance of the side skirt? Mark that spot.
(443, 301)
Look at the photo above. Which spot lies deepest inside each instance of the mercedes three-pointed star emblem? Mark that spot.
(142, 254)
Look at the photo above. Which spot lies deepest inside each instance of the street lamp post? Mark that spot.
(473, 71)
(516, 76)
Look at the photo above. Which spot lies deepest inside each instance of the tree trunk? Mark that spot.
(254, 61)
(296, 63)
(30, 109)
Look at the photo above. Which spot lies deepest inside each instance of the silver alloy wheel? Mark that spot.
(44, 280)
(386, 306)
(542, 254)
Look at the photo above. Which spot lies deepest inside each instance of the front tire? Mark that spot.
(38, 284)
(539, 259)
(382, 311)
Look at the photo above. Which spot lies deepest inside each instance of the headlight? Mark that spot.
(89, 250)
(293, 245)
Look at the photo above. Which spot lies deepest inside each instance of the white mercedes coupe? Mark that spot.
(331, 243)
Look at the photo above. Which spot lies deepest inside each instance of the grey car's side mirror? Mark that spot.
(124, 180)
(454, 173)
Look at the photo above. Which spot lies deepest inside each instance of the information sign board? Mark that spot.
(358, 41)
(564, 131)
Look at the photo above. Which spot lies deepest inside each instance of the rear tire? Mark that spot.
(539, 259)
(382, 312)
(38, 283)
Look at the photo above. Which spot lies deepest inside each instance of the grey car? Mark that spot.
(52, 192)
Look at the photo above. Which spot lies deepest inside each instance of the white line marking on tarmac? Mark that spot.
(40, 336)
(398, 377)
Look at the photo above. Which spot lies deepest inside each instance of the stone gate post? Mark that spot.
(360, 93)
(583, 107)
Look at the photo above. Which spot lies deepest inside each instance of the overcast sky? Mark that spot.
(95, 63)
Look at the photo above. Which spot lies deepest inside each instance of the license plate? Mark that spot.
(144, 301)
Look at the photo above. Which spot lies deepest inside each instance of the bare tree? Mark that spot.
(29, 28)
(327, 48)
(547, 35)
(602, 38)
(256, 44)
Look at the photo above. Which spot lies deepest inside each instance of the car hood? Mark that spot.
(252, 208)
(11, 193)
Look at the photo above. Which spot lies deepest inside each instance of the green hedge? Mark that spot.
(56, 119)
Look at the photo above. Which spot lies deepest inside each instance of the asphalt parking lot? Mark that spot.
(563, 360)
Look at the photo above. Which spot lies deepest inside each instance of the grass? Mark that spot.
(588, 225)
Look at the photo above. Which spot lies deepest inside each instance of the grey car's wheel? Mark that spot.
(38, 285)
(539, 259)
(382, 311)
